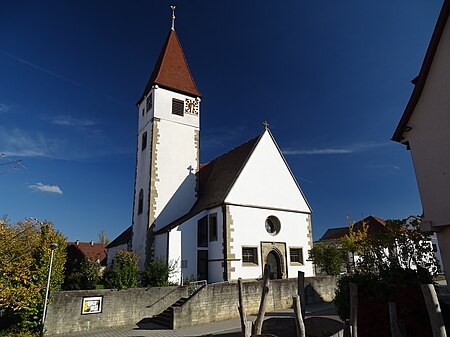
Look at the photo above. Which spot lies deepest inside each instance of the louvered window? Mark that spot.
(177, 107)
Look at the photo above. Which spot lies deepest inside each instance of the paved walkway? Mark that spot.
(229, 328)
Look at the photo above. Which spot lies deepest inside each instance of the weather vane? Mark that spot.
(173, 16)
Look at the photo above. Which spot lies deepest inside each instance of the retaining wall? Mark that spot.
(212, 303)
(219, 302)
(119, 307)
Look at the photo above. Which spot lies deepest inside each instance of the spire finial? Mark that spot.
(266, 125)
(173, 16)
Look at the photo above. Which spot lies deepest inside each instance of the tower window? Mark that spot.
(144, 140)
(141, 201)
(177, 107)
(149, 103)
(143, 111)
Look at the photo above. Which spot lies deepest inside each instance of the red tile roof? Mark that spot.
(215, 180)
(376, 225)
(171, 70)
(92, 250)
(419, 81)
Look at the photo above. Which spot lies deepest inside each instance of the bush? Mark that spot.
(123, 271)
(157, 273)
(86, 276)
(375, 291)
(328, 257)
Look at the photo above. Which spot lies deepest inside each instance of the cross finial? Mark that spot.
(266, 125)
(173, 16)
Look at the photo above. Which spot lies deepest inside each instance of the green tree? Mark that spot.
(157, 273)
(123, 272)
(328, 257)
(24, 262)
(85, 275)
(391, 265)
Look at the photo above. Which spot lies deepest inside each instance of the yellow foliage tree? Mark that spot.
(24, 261)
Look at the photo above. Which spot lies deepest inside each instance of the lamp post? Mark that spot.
(53, 246)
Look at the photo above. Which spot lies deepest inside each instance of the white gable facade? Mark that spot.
(264, 218)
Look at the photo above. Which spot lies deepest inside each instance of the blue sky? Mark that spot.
(332, 78)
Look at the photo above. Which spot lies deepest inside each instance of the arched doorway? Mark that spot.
(273, 260)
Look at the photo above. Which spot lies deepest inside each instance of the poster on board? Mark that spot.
(92, 305)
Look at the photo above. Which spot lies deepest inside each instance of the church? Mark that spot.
(220, 220)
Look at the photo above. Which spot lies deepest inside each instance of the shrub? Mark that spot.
(157, 273)
(123, 272)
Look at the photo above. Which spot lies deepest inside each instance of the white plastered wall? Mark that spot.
(264, 188)
(267, 181)
(176, 161)
(430, 146)
(429, 137)
(249, 230)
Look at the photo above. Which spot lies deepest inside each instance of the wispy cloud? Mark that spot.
(19, 143)
(61, 77)
(3, 108)
(46, 188)
(353, 148)
(64, 120)
(384, 166)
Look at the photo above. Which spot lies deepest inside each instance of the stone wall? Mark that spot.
(219, 302)
(214, 302)
(120, 307)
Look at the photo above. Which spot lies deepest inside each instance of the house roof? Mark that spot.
(92, 250)
(419, 81)
(376, 225)
(171, 70)
(216, 179)
(122, 239)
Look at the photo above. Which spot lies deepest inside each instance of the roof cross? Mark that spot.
(266, 125)
(173, 16)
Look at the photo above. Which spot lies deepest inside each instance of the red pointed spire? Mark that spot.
(171, 70)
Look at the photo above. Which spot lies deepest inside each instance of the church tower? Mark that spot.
(167, 148)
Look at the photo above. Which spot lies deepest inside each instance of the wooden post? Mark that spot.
(395, 331)
(299, 325)
(246, 326)
(257, 326)
(301, 290)
(353, 310)
(434, 310)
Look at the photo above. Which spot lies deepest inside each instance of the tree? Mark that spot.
(103, 238)
(157, 273)
(123, 271)
(328, 257)
(81, 273)
(24, 262)
(391, 265)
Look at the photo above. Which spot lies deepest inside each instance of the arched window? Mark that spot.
(141, 201)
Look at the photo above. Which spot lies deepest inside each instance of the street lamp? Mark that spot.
(53, 246)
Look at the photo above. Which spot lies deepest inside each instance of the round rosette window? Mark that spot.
(273, 225)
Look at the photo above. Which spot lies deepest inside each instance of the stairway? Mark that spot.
(166, 317)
